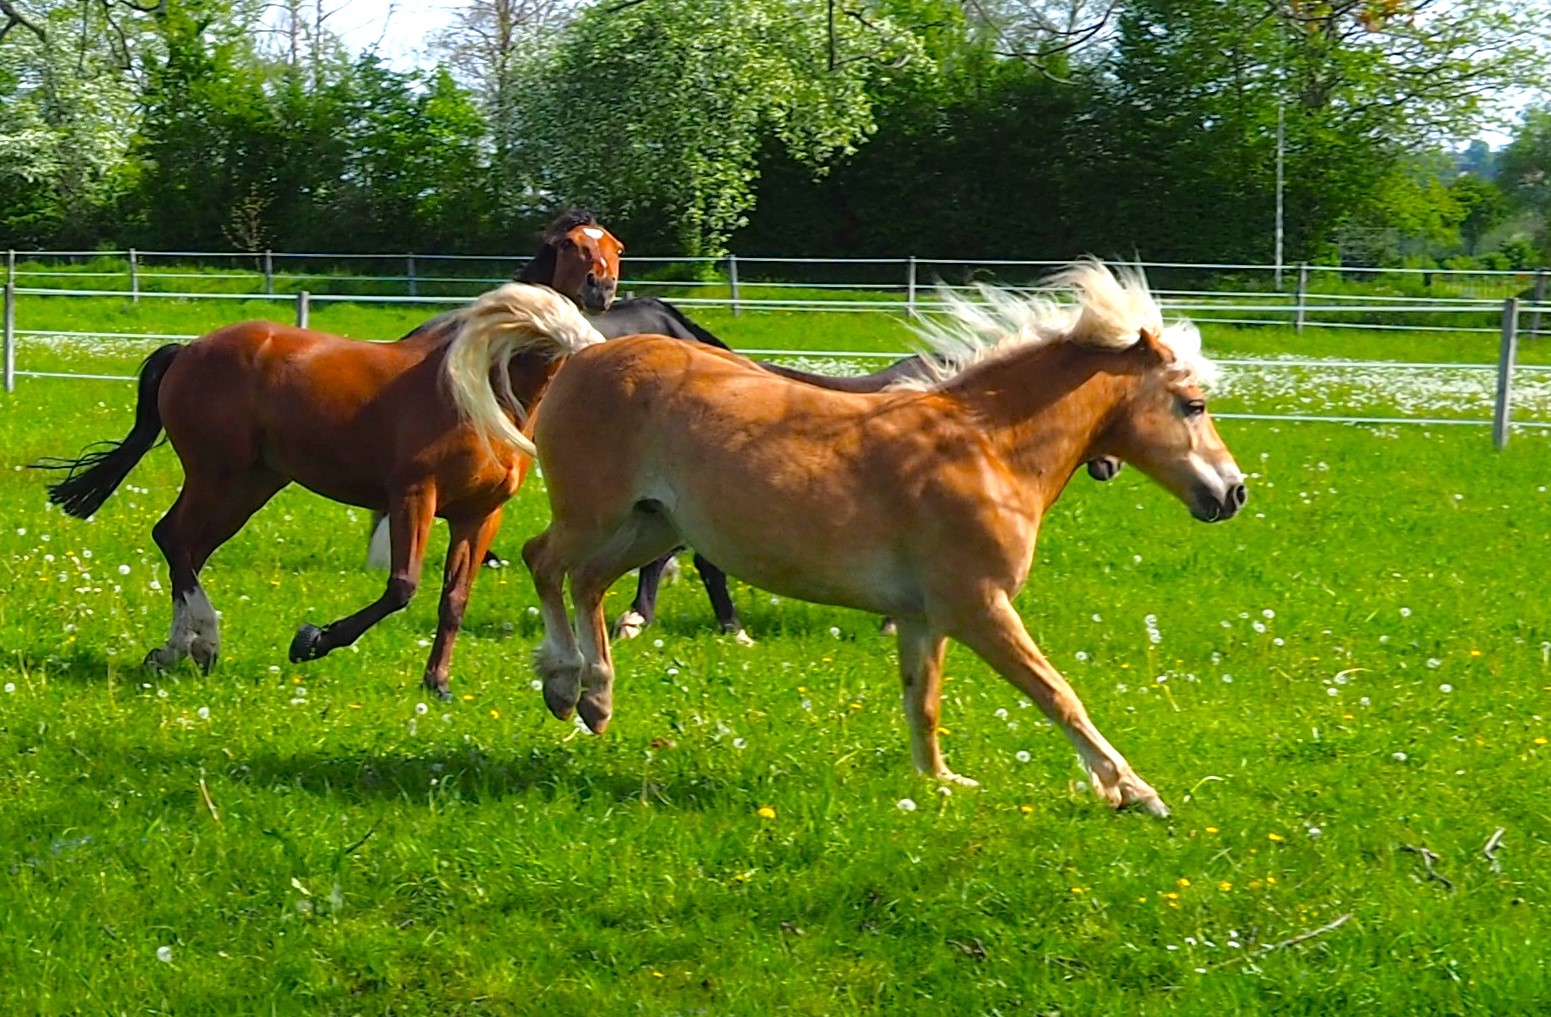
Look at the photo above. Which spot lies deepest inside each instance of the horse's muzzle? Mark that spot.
(1209, 507)
(1103, 468)
(596, 295)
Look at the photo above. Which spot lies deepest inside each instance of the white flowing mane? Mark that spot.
(1104, 310)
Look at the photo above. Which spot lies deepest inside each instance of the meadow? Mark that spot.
(1342, 694)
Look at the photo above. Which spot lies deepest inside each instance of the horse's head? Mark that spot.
(587, 265)
(1164, 430)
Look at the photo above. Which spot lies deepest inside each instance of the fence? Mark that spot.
(1460, 301)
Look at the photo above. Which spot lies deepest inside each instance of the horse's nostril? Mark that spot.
(1237, 496)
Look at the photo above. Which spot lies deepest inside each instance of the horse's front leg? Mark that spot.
(409, 527)
(715, 581)
(643, 609)
(997, 634)
(921, 652)
(470, 539)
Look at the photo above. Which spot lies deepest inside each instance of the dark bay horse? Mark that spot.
(920, 503)
(253, 407)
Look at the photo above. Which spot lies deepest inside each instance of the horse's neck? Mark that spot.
(1045, 409)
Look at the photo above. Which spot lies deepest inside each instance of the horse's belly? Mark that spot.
(793, 558)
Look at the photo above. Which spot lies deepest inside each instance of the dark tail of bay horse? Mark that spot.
(100, 470)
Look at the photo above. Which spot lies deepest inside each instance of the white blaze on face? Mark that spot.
(592, 231)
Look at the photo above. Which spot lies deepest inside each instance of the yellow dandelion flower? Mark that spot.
(1211, 829)
(1025, 809)
(1077, 889)
(1141, 900)
(1182, 882)
(802, 690)
(1275, 838)
(765, 812)
(1170, 895)
(1225, 886)
(658, 974)
(355, 706)
(468, 697)
(1541, 740)
(856, 706)
(1254, 884)
(1270, 880)
(495, 714)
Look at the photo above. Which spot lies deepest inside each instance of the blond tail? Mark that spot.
(516, 318)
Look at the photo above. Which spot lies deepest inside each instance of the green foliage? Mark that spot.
(655, 112)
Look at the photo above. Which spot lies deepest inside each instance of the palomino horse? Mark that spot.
(920, 504)
(253, 407)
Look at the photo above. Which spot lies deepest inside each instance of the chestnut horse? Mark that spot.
(922, 504)
(250, 408)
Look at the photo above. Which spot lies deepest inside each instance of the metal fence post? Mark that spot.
(732, 280)
(134, 276)
(910, 286)
(269, 272)
(1303, 293)
(1501, 411)
(409, 264)
(1539, 298)
(303, 308)
(9, 331)
(10, 266)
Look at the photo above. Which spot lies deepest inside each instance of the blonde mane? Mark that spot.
(1105, 310)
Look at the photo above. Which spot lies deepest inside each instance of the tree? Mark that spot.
(654, 113)
(1524, 171)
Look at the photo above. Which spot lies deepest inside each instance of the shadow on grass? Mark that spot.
(439, 779)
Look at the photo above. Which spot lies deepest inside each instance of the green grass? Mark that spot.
(355, 855)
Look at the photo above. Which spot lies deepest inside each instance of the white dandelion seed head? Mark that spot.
(1082, 656)
(657, 644)
(1268, 614)
(203, 713)
(834, 630)
(1445, 688)
(1315, 831)
(905, 805)
(1399, 757)
(1405, 612)
(164, 954)
(421, 709)
(1022, 756)
(1434, 662)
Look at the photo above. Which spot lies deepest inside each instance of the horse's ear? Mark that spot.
(1152, 342)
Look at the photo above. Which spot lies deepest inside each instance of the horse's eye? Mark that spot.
(1195, 407)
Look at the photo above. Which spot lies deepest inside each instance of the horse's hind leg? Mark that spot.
(643, 610)
(557, 658)
(715, 581)
(208, 512)
(409, 527)
(465, 550)
(643, 537)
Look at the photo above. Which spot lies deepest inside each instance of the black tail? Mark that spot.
(102, 468)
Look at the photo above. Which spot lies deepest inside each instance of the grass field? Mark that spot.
(1356, 669)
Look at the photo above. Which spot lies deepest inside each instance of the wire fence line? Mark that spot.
(1454, 314)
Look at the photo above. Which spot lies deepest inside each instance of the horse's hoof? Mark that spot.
(157, 659)
(561, 702)
(630, 625)
(437, 689)
(595, 711)
(205, 657)
(1151, 804)
(305, 645)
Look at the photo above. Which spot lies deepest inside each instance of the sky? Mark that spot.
(397, 28)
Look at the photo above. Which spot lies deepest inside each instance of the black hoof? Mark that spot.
(305, 645)
(440, 693)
